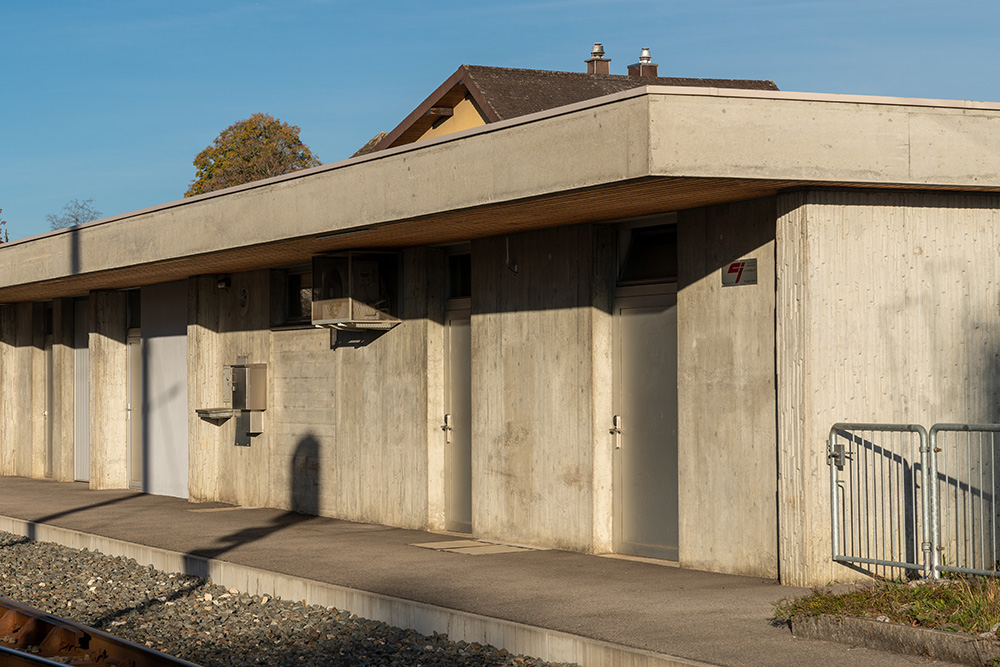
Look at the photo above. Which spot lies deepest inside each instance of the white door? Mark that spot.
(135, 411)
(646, 513)
(458, 421)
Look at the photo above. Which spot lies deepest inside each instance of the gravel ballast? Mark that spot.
(192, 618)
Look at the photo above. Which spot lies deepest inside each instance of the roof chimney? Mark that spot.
(645, 66)
(598, 64)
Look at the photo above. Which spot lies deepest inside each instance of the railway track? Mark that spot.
(32, 637)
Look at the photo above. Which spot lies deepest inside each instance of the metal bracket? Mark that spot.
(837, 456)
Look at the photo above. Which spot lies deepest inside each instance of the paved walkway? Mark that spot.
(668, 615)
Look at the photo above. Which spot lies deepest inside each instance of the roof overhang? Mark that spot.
(641, 152)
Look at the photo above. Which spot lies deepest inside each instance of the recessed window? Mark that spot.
(47, 319)
(459, 276)
(134, 308)
(651, 255)
(291, 296)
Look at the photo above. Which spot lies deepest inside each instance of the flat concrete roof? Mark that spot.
(644, 151)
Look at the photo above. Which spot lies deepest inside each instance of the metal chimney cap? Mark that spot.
(597, 52)
(644, 57)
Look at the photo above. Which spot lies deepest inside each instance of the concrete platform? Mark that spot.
(556, 605)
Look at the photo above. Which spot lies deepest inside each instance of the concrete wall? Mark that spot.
(22, 400)
(726, 391)
(33, 324)
(886, 312)
(225, 325)
(108, 403)
(535, 402)
(350, 422)
(345, 430)
(12, 409)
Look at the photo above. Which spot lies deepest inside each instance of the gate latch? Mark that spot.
(837, 456)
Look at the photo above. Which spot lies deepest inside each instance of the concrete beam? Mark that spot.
(705, 138)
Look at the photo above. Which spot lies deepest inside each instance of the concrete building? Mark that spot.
(621, 324)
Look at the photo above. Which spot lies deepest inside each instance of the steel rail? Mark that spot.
(29, 636)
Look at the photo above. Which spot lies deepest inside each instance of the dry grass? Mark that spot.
(959, 605)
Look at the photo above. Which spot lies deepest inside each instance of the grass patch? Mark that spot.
(959, 605)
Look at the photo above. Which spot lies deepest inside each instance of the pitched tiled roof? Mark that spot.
(517, 92)
(502, 93)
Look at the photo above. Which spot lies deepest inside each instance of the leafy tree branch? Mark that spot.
(250, 150)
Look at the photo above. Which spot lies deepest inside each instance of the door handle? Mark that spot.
(447, 428)
(616, 430)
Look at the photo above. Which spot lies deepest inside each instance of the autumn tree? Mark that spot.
(75, 212)
(250, 150)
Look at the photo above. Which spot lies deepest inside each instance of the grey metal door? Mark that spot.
(135, 440)
(458, 421)
(645, 426)
(81, 392)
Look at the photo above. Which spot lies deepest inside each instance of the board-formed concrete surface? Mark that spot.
(555, 605)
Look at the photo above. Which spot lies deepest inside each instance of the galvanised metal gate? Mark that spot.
(905, 500)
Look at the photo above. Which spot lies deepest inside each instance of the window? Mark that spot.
(459, 276)
(649, 255)
(291, 296)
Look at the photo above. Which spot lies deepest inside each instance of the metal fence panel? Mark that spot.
(965, 458)
(878, 504)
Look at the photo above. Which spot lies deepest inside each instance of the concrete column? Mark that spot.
(62, 403)
(533, 388)
(10, 397)
(39, 391)
(602, 297)
(25, 416)
(436, 262)
(726, 391)
(886, 312)
(108, 383)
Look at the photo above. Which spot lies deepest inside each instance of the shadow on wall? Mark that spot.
(353, 339)
(74, 255)
(304, 474)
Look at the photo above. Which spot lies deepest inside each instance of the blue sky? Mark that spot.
(111, 100)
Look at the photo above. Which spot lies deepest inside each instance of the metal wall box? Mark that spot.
(256, 423)
(356, 290)
(249, 387)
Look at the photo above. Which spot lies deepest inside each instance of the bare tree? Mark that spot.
(75, 212)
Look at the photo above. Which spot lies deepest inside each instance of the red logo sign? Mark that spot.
(742, 272)
(737, 268)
